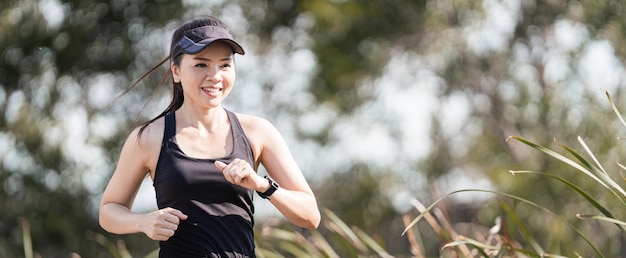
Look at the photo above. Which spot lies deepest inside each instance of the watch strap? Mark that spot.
(273, 187)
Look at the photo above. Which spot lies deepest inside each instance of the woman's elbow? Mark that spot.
(310, 222)
(316, 221)
(104, 223)
(106, 218)
(313, 224)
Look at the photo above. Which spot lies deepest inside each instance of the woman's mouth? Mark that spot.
(211, 89)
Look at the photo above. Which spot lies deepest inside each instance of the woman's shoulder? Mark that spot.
(258, 129)
(149, 135)
(252, 122)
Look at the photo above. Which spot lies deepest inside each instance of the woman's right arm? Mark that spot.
(115, 207)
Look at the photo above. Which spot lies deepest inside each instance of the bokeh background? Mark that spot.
(381, 102)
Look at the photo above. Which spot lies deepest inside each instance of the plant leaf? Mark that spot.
(582, 236)
(342, 229)
(574, 187)
(583, 168)
(614, 107)
(371, 243)
(521, 227)
(603, 218)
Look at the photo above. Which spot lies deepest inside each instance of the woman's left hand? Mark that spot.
(239, 172)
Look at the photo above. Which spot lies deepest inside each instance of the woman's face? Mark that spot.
(208, 76)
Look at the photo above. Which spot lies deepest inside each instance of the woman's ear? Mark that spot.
(175, 72)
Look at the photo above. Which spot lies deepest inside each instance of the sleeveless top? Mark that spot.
(220, 222)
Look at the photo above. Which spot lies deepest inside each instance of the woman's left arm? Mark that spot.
(294, 197)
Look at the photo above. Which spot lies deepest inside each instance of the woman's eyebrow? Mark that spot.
(228, 58)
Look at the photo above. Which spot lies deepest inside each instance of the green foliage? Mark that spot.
(353, 42)
(47, 72)
(357, 194)
(51, 52)
(524, 242)
(340, 240)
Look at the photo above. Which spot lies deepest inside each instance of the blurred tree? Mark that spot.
(51, 52)
(530, 82)
(520, 68)
(354, 41)
(499, 68)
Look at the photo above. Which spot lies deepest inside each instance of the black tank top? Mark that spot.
(220, 222)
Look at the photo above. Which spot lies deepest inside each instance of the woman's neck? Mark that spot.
(210, 119)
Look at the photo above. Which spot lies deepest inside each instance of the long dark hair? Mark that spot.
(177, 90)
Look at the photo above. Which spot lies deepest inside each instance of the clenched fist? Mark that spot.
(161, 225)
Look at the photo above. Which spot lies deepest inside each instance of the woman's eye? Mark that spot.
(224, 66)
(200, 65)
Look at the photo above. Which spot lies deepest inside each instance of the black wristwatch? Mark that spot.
(269, 192)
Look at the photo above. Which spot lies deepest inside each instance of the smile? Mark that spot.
(211, 89)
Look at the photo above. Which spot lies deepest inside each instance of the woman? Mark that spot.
(203, 159)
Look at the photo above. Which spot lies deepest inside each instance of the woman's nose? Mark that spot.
(213, 74)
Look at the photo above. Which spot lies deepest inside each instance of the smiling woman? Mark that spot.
(209, 75)
(203, 159)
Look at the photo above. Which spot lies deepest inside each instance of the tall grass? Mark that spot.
(347, 241)
(502, 243)
(271, 242)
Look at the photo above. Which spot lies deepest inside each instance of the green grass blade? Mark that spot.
(263, 252)
(602, 177)
(323, 245)
(292, 249)
(343, 230)
(622, 167)
(580, 234)
(482, 246)
(621, 118)
(521, 228)
(371, 243)
(605, 176)
(579, 157)
(282, 235)
(606, 182)
(574, 187)
(582, 142)
(153, 254)
(603, 218)
(294, 243)
(423, 213)
(563, 159)
(106, 243)
(26, 237)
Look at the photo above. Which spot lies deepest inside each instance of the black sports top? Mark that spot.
(220, 222)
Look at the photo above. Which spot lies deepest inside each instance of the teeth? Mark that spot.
(211, 89)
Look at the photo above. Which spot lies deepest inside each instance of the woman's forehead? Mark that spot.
(217, 50)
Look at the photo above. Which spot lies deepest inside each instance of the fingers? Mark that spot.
(170, 218)
(236, 172)
(177, 213)
(165, 223)
(220, 165)
(240, 172)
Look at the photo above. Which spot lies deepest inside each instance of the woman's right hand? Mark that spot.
(161, 225)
